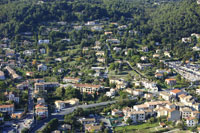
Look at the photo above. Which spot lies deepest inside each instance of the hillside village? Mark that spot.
(98, 76)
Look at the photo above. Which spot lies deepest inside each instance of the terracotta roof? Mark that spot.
(87, 85)
(141, 106)
(182, 96)
(171, 79)
(137, 112)
(190, 118)
(7, 106)
(176, 91)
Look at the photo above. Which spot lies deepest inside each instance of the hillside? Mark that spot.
(161, 21)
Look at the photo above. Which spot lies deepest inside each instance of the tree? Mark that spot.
(71, 92)
(60, 92)
(129, 121)
(51, 126)
(25, 130)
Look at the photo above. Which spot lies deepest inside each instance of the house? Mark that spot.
(196, 48)
(126, 110)
(191, 121)
(149, 105)
(186, 40)
(100, 53)
(28, 52)
(162, 71)
(85, 49)
(62, 104)
(116, 112)
(73, 101)
(78, 27)
(90, 23)
(117, 49)
(71, 80)
(30, 74)
(97, 28)
(176, 92)
(11, 97)
(43, 41)
(135, 116)
(17, 114)
(102, 60)
(24, 85)
(2, 75)
(88, 88)
(161, 111)
(145, 49)
(93, 128)
(12, 73)
(166, 53)
(43, 51)
(186, 99)
(141, 107)
(56, 131)
(41, 110)
(45, 85)
(142, 66)
(87, 120)
(173, 115)
(9, 108)
(122, 27)
(198, 2)
(156, 55)
(40, 100)
(96, 47)
(159, 75)
(42, 67)
(4, 45)
(150, 86)
(113, 41)
(143, 58)
(170, 81)
(10, 53)
(136, 92)
(148, 96)
(195, 34)
(111, 93)
(120, 83)
(186, 112)
(107, 33)
(166, 96)
(65, 127)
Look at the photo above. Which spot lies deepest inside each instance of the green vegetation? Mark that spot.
(136, 127)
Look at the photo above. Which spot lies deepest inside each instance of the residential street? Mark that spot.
(67, 111)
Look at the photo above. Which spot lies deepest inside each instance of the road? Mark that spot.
(25, 122)
(138, 72)
(29, 116)
(61, 114)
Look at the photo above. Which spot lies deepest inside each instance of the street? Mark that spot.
(61, 114)
(26, 121)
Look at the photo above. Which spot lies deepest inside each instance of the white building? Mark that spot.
(7, 108)
(42, 67)
(2, 75)
(191, 122)
(111, 93)
(43, 42)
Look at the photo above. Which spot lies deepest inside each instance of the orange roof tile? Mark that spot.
(176, 91)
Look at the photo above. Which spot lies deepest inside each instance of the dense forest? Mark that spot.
(161, 21)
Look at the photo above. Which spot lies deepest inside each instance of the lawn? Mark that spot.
(136, 127)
